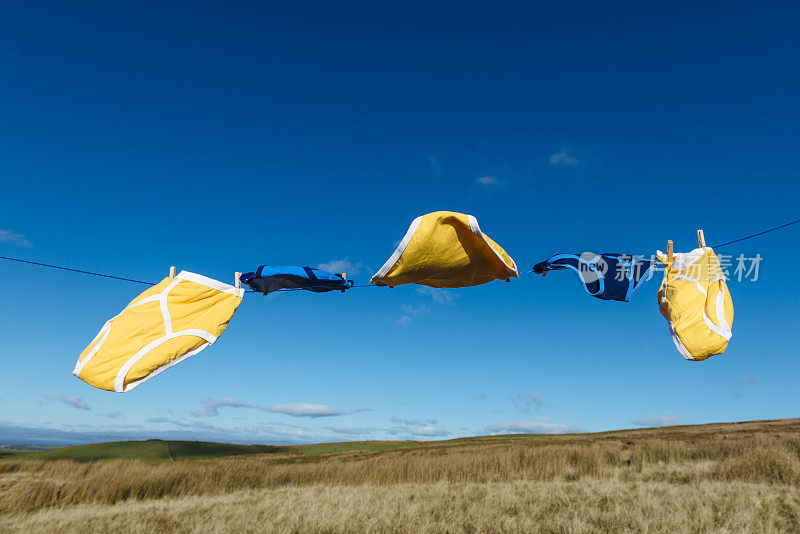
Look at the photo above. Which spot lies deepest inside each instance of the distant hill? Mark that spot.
(156, 450)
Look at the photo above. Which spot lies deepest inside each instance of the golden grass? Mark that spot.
(590, 505)
(737, 477)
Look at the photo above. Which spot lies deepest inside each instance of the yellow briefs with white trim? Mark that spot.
(446, 249)
(696, 302)
(171, 321)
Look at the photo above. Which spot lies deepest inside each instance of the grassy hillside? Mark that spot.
(348, 446)
(154, 450)
(722, 477)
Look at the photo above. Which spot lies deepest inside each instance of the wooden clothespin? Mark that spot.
(236, 282)
(669, 252)
(172, 272)
(701, 239)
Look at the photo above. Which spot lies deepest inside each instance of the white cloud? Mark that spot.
(408, 309)
(408, 431)
(69, 400)
(212, 406)
(409, 312)
(13, 238)
(297, 409)
(562, 158)
(341, 266)
(413, 422)
(353, 431)
(428, 432)
(421, 431)
(198, 425)
(112, 415)
(487, 180)
(302, 409)
(404, 320)
(658, 420)
(532, 427)
(416, 427)
(157, 420)
(523, 402)
(442, 296)
(404, 428)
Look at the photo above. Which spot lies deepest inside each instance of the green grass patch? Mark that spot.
(348, 446)
(149, 451)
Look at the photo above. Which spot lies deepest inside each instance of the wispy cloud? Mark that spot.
(406, 319)
(428, 431)
(212, 407)
(399, 431)
(746, 382)
(184, 423)
(486, 180)
(424, 431)
(659, 420)
(195, 425)
(442, 296)
(302, 409)
(413, 422)
(354, 431)
(408, 309)
(13, 238)
(435, 166)
(425, 428)
(112, 415)
(69, 400)
(157, 420)
(563, 158)
(524, 402)
(479, 397)
(532, 427)
(296, 409)
(341, 266)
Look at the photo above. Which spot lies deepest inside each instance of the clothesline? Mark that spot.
(80, 271)
(91, 273)
(756, 235)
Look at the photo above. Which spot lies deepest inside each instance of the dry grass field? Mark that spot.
(742, 477)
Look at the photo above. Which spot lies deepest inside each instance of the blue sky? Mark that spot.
(216, 138)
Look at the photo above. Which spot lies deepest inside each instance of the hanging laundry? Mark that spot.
(446, 249)
(608, 276)
(696, 303)
(168, 323)
(267, 279)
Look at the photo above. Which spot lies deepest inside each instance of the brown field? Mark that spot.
(741, 477)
